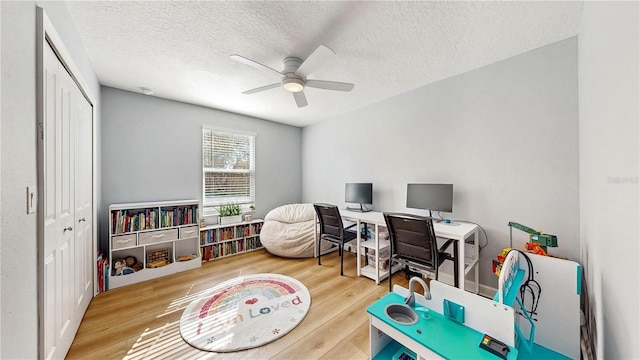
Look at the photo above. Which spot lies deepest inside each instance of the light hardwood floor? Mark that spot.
(141, 321)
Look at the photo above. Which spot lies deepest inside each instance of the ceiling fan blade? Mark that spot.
(255, 64)
(262, 88)
(315, 60)
(301, 100)
(329, 85)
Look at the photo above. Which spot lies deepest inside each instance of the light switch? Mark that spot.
(32, 201)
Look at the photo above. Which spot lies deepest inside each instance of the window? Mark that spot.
(228, 168)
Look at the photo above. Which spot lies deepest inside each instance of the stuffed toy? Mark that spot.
(133, 263)
(137, 266)
(130, 260)
(121, 268)
(118, 265)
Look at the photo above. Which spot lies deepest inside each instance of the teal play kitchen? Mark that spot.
(444, 322)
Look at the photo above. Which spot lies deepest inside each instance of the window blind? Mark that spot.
(228, 168)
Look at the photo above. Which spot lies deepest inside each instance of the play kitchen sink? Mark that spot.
(401, 314)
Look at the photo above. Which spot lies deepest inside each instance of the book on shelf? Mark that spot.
(102, 264)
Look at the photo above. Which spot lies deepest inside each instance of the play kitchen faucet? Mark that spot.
(411, 300)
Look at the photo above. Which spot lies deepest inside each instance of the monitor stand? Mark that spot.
(449, 222)
(442, 221)
(362, 209)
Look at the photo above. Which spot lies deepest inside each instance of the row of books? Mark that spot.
(229, 233)
(215, 251)
(183, 215)
(249, 229)
(102, 263)
(123, 221)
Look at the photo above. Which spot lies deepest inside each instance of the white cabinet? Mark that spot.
(162, 237)
(217, 241)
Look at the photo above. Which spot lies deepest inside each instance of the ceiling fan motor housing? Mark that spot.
(292, 82)
(291, 65)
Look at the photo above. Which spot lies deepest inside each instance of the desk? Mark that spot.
(460, 233)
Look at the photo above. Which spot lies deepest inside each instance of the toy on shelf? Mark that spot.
(133, 263)
(120, 267)
(157, 263)
(157, 258)
(187, 257)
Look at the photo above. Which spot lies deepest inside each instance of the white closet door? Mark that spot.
(67, 258)
(84, 206)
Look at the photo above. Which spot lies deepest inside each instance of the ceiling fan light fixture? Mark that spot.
(293, 85)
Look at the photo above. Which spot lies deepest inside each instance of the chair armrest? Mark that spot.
(350, 226)
(446, 245)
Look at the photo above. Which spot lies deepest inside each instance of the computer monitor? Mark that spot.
(432, 197)
(358, 193)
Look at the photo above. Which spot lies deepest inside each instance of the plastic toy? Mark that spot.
(497, 264)
(536, 236)
(535, 248)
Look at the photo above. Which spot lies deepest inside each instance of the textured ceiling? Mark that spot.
(181, 49)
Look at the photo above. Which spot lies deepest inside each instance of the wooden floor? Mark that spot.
(141, 321)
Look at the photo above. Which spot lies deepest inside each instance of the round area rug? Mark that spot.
(245, 312)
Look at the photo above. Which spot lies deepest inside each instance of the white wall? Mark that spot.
(506, 136)
(152, 150)
(0, 177)
(18, 258)
(609, 163)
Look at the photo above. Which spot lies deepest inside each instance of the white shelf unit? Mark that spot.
(375, 260)
(136, 229)
(218, 241)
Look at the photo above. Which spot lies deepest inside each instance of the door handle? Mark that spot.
(67, 229)
(81, 220)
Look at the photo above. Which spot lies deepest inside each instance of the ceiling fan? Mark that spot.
(294, 76)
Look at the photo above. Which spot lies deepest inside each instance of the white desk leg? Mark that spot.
(460, 245)
(377, 258)
(476, 246)
(358, 261)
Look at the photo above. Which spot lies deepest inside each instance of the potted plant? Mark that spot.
(249, 216)
(230, 213)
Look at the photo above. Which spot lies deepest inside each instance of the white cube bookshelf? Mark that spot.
(138, 229)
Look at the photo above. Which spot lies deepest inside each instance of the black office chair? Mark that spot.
(413, 244)
(332, 229)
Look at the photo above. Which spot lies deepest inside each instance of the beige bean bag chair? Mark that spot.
(288, 231)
